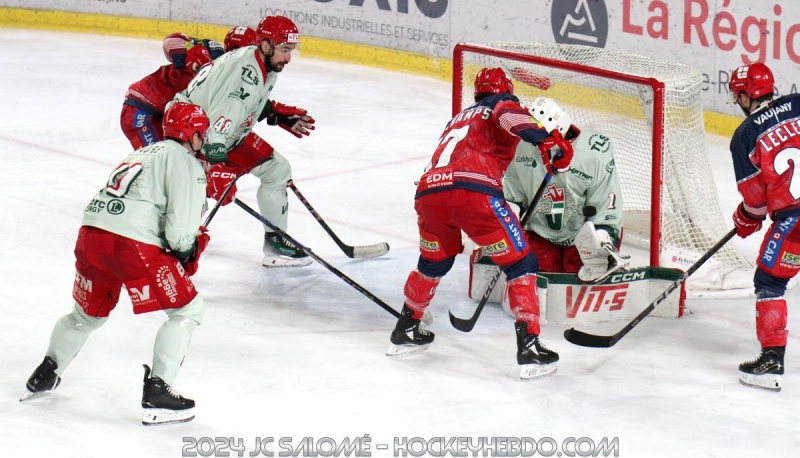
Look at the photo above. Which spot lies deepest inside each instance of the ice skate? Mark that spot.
(409, 335)
(161, 404)
(765, 371)
(279, 252)
(535, 360)
(42, 380)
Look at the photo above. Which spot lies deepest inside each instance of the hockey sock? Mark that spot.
(524, 301)
(419, 291)
(771, 317)
(173, 339)
(69, 334)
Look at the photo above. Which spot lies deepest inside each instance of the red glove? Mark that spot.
(218, 177)
(745, 223)
(291, 119)
(200, 244)
(196, 57)
(561, 158)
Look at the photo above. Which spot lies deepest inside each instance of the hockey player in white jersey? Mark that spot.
(141, 231)
(234, 90)
(577, 225)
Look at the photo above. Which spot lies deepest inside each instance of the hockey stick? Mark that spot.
(313, 255)
(219, 203)
(365, 251)
(466, 324)
(596, 341)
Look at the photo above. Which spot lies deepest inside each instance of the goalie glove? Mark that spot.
(599, 256)
(291, 119)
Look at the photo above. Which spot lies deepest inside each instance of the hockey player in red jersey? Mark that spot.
(146, 99)
(764, 149)
(239, 37)
(461, 189)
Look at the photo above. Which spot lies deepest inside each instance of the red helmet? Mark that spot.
(755, 80)
(182, 120)
(493, 81)
(277, 30)
(239, 37)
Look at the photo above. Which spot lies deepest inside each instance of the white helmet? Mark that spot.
(550, 115)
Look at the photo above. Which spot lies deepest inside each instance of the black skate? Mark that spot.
(44, 379)
(161, 404)
(409, 335)
(765, 371)
(535, 360)
(279, 252)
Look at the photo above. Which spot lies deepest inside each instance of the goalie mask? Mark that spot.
(551, 116)
(492, 81)
(755, 80)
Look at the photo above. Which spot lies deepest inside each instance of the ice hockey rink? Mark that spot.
(296, 352)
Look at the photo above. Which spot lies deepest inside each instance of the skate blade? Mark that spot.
(285, 261)
(166, 416)
(28, 395)
(396, 350)
(533, 371)
(771, 382)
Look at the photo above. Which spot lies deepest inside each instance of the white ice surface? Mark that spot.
(298, 352)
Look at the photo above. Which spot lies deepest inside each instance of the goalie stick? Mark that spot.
(585, 339)
(466, 324)
(363, 251)
(314, 256)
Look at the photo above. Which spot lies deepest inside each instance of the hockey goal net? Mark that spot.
(652, 111)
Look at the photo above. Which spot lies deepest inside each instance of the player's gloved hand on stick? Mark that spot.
(556, 150)
(218, 178)
(196, 57)
(746, 224)
(291, 119)
(190, 264)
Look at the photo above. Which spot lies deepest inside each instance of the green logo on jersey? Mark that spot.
(241, 94)
(250, 75)
(599, 143)
(115, 207)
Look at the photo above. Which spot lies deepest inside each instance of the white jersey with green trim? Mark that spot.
(156, 195)
(590, 182)
(233, 90)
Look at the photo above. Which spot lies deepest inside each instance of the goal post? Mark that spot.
(652, 111)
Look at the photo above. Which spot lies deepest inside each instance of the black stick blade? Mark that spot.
(462, 324)
(583, 339)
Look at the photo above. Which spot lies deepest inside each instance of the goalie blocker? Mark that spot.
(564, 298)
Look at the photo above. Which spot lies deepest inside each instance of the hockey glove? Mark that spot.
(196, 57)
(215, 152)
(291, 119)
(556, 151)
(745, 223)
(200, 244)
(218, 178)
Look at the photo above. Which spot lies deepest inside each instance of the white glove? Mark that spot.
(598, 254)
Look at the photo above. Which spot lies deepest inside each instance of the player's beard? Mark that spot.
(276, 67)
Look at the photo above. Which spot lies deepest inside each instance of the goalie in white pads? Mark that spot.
(577, 225)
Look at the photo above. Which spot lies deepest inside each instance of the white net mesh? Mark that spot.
(690, 214)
